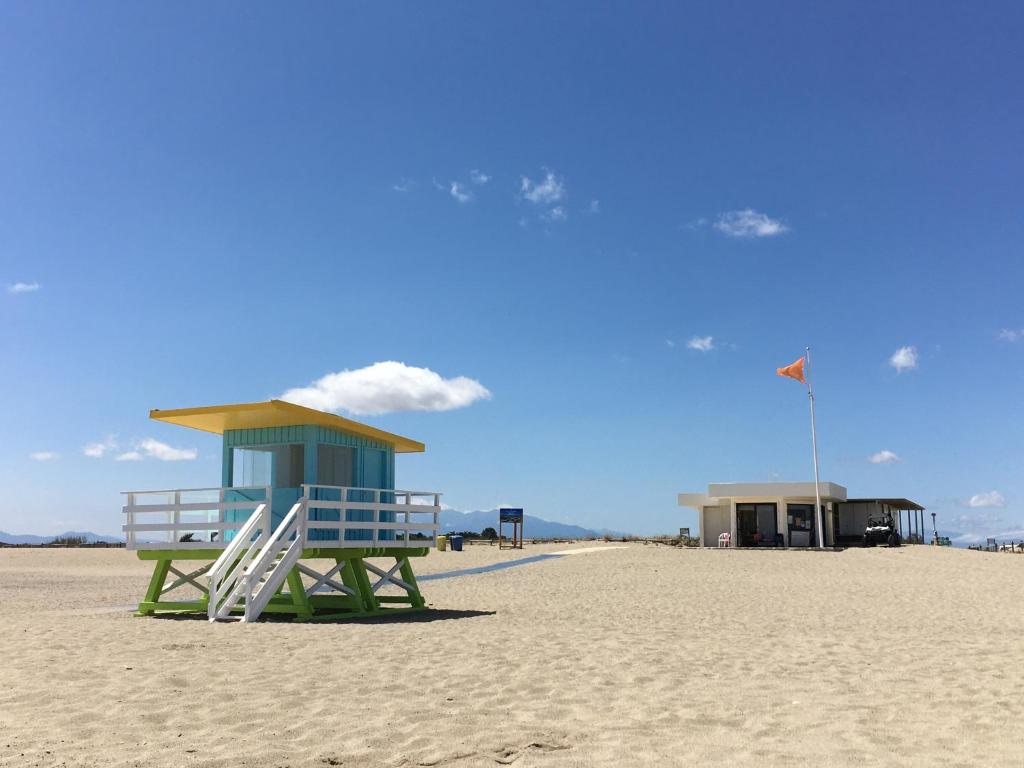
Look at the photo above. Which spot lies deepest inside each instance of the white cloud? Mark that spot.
(987, 499)
(387, 387)
(883, 457)
(904, 359)
(669, 343)
(405, 185)
(23, 287)
(548, 190)
(99, 449)
(595, 206)
(748, 223)
(558, 213)
(460, 193)
(478, 177)
(1010, 334)
(43, 456)
(154, 449)
(701, 343)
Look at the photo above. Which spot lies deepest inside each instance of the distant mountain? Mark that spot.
(28, 538)
(533, 527)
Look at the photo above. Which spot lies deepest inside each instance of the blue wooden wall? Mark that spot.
(374, 464)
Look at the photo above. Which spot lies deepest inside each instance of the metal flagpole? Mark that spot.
(814, 449)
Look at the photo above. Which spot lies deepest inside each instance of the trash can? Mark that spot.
(442, 543)
(456, 543)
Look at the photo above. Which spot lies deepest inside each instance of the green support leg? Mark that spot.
(370, 604)
(348, 578)
(298, 592)
(156, 585)
(415, 598)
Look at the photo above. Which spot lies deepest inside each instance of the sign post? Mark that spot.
(514, 516)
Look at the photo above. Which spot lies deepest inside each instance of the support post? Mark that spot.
(814, 450)
(298, 594)
(415, 598)
(370, 604)
(156, 585)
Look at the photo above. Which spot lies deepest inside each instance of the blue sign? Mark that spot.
(510, 515)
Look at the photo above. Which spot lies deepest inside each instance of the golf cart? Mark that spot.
(881, 529)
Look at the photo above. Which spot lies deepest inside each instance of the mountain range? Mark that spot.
(28, 538)
(451, 520)
(533, 527)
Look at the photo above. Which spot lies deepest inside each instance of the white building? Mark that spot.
(782, 514)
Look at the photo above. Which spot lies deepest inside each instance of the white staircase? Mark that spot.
(256, 562)
(248, 574)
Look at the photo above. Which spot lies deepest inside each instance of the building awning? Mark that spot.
(276, 413)
(897, 503)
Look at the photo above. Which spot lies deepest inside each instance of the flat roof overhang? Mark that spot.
(277, 413)
(898, 503)
(801, 490)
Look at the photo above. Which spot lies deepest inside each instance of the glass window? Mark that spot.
(335, 465)
(288, 465)
(278, 465)
(250, 467)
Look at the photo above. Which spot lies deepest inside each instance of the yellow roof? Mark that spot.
(276, 413)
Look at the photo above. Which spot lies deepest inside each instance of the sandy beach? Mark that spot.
(639, 655)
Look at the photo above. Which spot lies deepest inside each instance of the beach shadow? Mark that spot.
(412, 617)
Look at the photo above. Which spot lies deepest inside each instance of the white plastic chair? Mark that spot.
(724, 540)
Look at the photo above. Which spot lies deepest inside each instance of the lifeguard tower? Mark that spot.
(306, 497)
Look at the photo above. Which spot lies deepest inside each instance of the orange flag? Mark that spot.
(794, 371)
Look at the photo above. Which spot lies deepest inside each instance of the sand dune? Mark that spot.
(634, 656)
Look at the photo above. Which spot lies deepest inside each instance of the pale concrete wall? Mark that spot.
(853, 517)
(715, 521)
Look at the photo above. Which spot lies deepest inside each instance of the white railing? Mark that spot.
(196, 518)
(257, 560)
(188, 518)
(397, 518)
(224, 574)
(271, 566)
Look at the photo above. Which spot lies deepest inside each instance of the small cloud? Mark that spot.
(524, 222)
(460, 193)
(701, 343)
(478, 177)
(548, 190)
(904, 359)
(669, 343)
(595, 206)
(388, 387)
(558, 213)
(154, 449)
(748, 224)
(43, 456)
(883, 457)
(1010, 334)
(988, 499)
(99, 449)
(23, 287)
(405, 185)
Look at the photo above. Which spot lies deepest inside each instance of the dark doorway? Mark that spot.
(755, 524)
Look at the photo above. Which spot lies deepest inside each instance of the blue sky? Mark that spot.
(207, 204)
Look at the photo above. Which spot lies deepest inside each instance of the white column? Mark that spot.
(732, 522)
(700, 525)
(783, 520)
